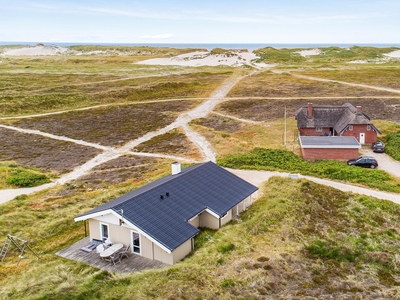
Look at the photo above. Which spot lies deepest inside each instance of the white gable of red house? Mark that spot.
(344, 120)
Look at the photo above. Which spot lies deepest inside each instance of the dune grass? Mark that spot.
(270, 84)
(375, 76)
(45, 93)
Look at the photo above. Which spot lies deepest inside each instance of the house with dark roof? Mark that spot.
(333, 132)
(160, 220)
(330, 120)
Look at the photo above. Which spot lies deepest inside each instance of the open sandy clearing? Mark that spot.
(309, 52)
(394, 54)
(35, 51)
(197, 59)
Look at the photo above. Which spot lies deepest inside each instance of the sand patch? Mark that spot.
(38, 50)
(205, 58)
(394, 54)
(309, 52)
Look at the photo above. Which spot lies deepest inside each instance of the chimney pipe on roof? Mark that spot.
(176, 168)
(358, 110)
(309, 111)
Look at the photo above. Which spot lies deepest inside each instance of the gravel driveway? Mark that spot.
(385, 162)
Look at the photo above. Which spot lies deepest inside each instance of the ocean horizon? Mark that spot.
(210, 46)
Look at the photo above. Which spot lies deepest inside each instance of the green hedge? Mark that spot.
(392, 147)
(286, 161)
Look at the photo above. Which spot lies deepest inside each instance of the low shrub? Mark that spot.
(282, 160)
(23, 178)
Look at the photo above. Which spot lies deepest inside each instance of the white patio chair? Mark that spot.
(100, 248)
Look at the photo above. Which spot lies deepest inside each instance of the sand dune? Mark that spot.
(394, 54)
(194, 59)
(35, 51)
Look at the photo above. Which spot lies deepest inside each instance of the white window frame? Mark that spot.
(368, 127)
(140, 243)
(103, 238)
(318, 129)
(351, 127)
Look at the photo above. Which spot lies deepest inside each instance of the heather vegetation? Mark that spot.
(275, 159)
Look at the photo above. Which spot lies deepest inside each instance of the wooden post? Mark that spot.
(84, 225)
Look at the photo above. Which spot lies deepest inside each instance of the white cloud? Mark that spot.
(159, 36)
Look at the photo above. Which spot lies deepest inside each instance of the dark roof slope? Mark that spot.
(200, 187)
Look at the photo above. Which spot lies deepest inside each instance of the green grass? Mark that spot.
(34, 93)
(282, 160)
(375, 76)
(392, 146)
(12, 176)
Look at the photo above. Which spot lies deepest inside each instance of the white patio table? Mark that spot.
(111, 250)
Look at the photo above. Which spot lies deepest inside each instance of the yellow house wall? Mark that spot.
(227, 218)
(195, 222)
(208, 220)
(183, 250)
(162, 255)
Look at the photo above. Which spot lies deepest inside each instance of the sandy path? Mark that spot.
(258, 177)
(347, 83)
(57, 137)
(241, 120)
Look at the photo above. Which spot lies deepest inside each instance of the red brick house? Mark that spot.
(329, 120)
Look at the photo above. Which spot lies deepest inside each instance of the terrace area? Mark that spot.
(133, 263)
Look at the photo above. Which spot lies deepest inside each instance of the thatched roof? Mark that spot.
(337, 117)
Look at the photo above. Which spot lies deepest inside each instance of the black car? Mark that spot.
(378, 147)
(364, 161)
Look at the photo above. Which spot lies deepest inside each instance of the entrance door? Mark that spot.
(362, 138)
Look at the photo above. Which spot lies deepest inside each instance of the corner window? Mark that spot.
(318, 129)
(135, 242)
(368, 128)
(350, 127)
(104, 231)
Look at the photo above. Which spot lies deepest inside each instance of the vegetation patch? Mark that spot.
(35, 92)
(112, 125)
(119, 170)
(12, 175)
(382, 77)
(173, 142)
(41, 152)
(282, 160)
(270, 84)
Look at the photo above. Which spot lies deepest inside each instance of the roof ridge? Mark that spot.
(158, 183)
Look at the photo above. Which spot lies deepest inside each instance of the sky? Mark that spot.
(205, 21)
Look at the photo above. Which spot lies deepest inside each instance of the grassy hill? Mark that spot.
(306, 240)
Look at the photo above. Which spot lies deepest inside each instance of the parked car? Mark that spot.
(364, 161)
(378, 147)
